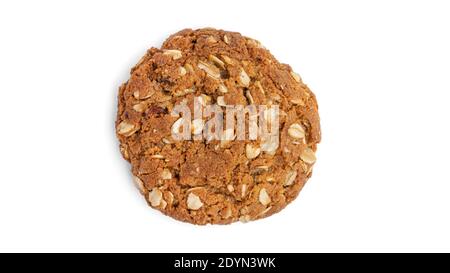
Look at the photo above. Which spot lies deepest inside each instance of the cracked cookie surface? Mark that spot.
(217, 182)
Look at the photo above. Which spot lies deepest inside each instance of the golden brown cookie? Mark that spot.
(216, 181)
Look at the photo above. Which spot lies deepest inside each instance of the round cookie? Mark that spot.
(217, 181)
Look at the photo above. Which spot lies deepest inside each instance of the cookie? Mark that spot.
(174, 125)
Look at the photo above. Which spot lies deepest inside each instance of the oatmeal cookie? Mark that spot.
(215, 181)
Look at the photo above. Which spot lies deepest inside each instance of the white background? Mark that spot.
(381, 73)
